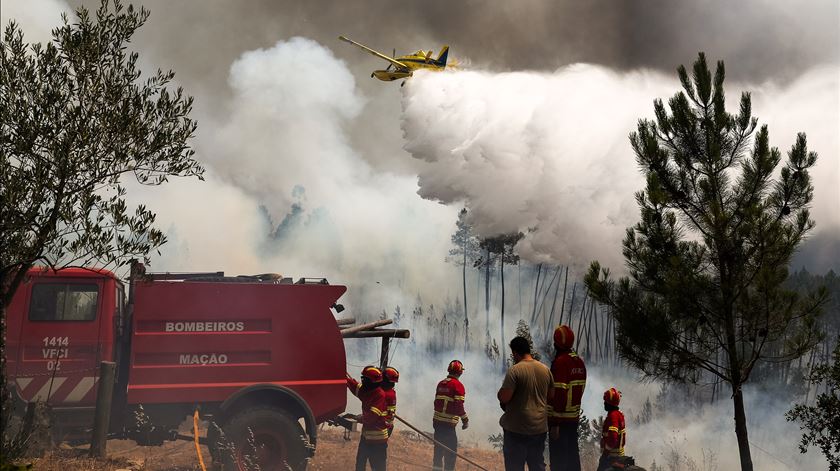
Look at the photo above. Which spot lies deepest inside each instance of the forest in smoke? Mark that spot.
(471, 325)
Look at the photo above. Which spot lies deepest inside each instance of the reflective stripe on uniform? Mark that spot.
(616, 451)
(375, 434)
(442, 417)
(378, 412)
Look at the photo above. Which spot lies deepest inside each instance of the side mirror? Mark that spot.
(338, 307)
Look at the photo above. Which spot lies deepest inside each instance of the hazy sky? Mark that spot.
(768, 46)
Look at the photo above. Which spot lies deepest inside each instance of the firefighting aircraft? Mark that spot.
(404, 66)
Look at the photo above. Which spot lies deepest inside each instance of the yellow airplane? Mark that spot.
(404, 66)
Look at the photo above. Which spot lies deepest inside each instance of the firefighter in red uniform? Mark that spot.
(392, 376)
(613, 435)
(449, 409)
(564, 409)
(373, 446)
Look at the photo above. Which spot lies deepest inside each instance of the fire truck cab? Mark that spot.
(258, 354)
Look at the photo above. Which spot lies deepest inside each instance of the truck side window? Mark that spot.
(63, 302)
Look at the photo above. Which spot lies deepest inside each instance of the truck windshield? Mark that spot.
(63, 302)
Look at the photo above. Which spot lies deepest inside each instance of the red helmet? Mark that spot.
(373, 374)
(564, 337)
(612, 396)
(391, 374)
(455, 367)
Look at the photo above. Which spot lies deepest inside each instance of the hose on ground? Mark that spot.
(195, 437)
(440, 444)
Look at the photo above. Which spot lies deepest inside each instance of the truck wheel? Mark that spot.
(278, 442)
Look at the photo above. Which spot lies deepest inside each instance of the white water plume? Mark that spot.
(548, 153)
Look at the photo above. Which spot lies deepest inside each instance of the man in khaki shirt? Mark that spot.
(524, 395)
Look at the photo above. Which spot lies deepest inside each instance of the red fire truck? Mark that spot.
(260, 355)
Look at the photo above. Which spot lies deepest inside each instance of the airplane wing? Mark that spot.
(375, 53)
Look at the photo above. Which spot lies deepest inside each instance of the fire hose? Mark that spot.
(440, 444)
(195, 437)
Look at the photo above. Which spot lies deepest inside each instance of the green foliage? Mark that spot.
(502, 247)
(589, 438)
(77, 121)
(646, 415)
(821, 422)
(491, 348)
(497, 441)
(708, 260)
(522, 330)
(26, 429)
(16, 433)
(465, 247)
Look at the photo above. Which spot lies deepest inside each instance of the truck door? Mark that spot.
(60, 340)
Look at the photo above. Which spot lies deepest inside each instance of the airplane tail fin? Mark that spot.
(444, 54)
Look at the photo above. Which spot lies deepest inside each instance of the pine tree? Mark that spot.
(500, 248)
(465, 250)
(708, 259)
(522, 330)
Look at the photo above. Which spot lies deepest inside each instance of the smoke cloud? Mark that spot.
(770, 39)
(311, 205)
(548, 154)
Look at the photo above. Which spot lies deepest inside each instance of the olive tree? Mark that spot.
(78, 120)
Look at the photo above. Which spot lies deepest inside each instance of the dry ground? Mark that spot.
(406, 451)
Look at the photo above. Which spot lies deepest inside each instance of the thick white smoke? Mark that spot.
(549, 152)
(281, 144)
(682, 435)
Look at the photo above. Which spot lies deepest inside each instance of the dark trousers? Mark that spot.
(563, 451)
(374, 452)
(520, 449)
(443, 459)
(605, 463)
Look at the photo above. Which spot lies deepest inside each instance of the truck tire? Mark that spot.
(279, 442)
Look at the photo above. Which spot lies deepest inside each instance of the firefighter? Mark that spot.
(392, 376)
(373, 446)
(569, 374)
(449, 409)
(613, 435)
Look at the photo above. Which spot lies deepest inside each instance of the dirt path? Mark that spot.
(406, 451)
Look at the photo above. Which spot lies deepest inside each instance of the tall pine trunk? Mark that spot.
(502, 264)
(737, 393)
(487, 290)
(466, 312)
(741, 429)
